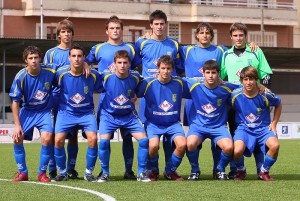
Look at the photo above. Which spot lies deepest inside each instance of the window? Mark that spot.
(214, 42)
(174, 31)
(270, 38)
(49, 31)
(132, 33)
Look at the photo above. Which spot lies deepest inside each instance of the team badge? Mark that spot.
(155, 63)
(86, 90)
(121, 100)
(47, 85)
(201, 70)
(39, 95)
(251, 117)
(219, 102)
(258, 110)
(208, 108)
(129, 92)
(174, 97)
(77, 98)
(169, 53)
(165, 106)
(238, 73)
(111, 67)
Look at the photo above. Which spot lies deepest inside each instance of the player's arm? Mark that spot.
(18, 132)
(277, 113)
(253, 46)
(86, 69)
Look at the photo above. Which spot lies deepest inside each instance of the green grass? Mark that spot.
(286, 184)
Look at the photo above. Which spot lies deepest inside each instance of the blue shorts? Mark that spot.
(253, 138)
(110, 123)
(43, 121)
(69, 123)
(156, 131)
(215, 134)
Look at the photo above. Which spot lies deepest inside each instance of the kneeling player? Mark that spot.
(76, 109)
(254, 125)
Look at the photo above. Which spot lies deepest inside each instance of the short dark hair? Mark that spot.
(211, 65)
(114, 19)
(64, 24)
(165, 59)
(31, 50)
(157, 14)
(238, 26)
(121, 54)
(76, 46)
(208, 27)
(249, 72)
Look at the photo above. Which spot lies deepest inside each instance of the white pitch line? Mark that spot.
(101, 195)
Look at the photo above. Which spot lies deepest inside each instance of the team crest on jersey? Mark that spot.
(40, 95)
(201, 70)
(169, 53)
(121, 99)
(111, 67)
(238, 73)
(258, 110)
(129, 92)
(47, 85)
(86, 90)
(219, 102)
(251, 117)
(208, 108)
(77, 98)
(165, 106)
(174, 97)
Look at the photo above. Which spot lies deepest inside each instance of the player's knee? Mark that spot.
(181, 147)
(191, 146)
(47, 139)
(275, 147)
(228, 149)
(144, 143)
(59, 142)
(92, 141)
(153, 147)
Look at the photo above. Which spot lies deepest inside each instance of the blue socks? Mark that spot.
(44, 158)
(193, 159)
(128, 153)
(153, 164)
(72, 156)
(19, 153)
(168, 150)
(91, 157)
(60, 158)
(52, 164)
(142, 154)
(216, 153)
(240, 165)
(269, 162)
(259, 160)
(225, 159)
(176, 161)
(104, 155)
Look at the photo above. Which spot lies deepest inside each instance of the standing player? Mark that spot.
(233, 61)
(33, 85)
(254, 124)
(148, 51)
(163, 99)
(103, 55)
(209, 117)
(59, 55)
(76, 105)
(117, 111)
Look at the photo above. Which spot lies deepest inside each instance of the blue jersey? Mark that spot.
(76, 95)
(194, 57)
(148, 51)
(103, 54)
(34, 90)
(210, 104)
(253, 112)
(118, 92)
(163, 100)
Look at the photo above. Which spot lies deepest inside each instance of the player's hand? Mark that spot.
(221, 81)
(253, 46)
(262, 89)
(86, 69)
(272, 127)
(134, 99)
(147, 35)
(18, 134)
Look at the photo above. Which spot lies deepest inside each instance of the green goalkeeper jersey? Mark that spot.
(232, 64)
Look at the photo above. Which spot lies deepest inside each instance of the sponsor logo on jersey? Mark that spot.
(201, 70)
(155, 62)
(121, 99)
(153, 70)
(40, 95)
(77, 98)
(208, 108)
(174, 97)
(129, 92)
(238, 73)
(251, 117)
(165, 106)
(219, 102)
(111, 67)
(86, 90)
(258, 110)
(47, 85)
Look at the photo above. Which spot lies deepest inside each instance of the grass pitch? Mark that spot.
(285, 172)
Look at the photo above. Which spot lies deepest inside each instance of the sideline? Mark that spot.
(101, 195)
